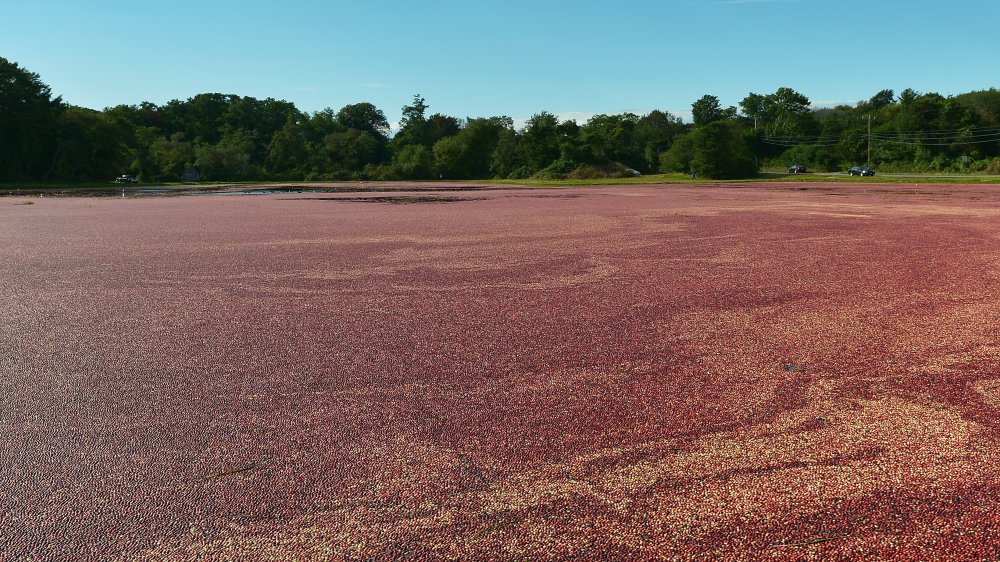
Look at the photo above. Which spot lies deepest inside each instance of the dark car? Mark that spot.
(797, 169)
(860, 171)
(125, 179)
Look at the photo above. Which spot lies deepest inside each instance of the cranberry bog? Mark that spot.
(743, 372)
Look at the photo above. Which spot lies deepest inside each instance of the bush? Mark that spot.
(608, 170)
(720, 151)
(819, 158)
(519, 173)
(557, 170)
(413, 162)
(375, 171)
(989, 166)
(678, 157)
(942, 163)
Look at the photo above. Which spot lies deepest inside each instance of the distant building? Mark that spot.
(190, 174)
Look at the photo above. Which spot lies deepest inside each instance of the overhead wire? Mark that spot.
(940, 137)
(956, 142)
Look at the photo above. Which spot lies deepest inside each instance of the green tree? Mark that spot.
(754, 107)
(365, 117)
(654, 133)
(678, 157)
(540, 140)
(143, 161)
(720, 152)
(882, 99)
(788, 114)
(613, 138)
(449, 157)
(91, 145)
(288, 153)
(229, 159)
(441, 126)
(707, 109)
(412, 162)
(260, 119)
(173, 155)
(717, 151)
(481, 136)
(783, 113)
(29, 122)
(199, 118)
(508, 159)
(351, 150)
(413, 127)
(317, 126)
(469, 153)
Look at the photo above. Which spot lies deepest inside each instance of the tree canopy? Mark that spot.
(232, 137)
(29, 122)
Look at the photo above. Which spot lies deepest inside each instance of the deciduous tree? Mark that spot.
(29, 118)
(707, 109)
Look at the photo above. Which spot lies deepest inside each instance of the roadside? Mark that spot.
(109, 189)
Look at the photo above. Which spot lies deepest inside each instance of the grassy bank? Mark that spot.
(105, 188)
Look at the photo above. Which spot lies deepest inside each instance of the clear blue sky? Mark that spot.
(472, 58)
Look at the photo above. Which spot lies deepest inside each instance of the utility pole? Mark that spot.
(869, 162)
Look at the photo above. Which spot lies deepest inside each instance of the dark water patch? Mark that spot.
(817, 189)
(397, 200)
(907, 192)
(251, 192)
(228, 189)
(360, 188)
(88, 192)
(543, 196)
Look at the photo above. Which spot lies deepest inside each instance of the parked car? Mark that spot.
(125, 178)
(797, 169)
(860, 171)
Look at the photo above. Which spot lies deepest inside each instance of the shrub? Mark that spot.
(812, 157)
(990, 166)
(519, 173)
(678, 157)
(607, 170)
(557, 170)
(720, 151)
(942, 163)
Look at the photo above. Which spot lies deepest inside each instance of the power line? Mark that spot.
(971, 132)
(936, 138)
(914, 142)
(957, 142)
(947, 137)
(793, 143)
(954, 138)
(961, 129)
(803, 137)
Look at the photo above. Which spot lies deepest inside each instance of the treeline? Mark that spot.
(218, 137)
